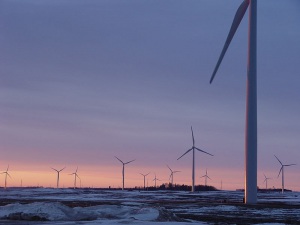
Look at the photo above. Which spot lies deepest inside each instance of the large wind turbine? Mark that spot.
(58, 171)
(193, 165)
(75, 176)
(6, 174)
(171, 175)
(123, 168)
(282, 171)
(251, 105)
(144, 175)
(206, 176)
(266, 180)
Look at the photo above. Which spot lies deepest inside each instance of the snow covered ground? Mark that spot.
(94, 206)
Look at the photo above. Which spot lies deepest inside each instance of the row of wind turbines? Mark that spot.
(171, 177)
(172, 172)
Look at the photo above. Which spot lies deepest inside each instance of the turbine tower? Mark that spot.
(206, 176)
(193, 165)
(155, 179)
(75, 176)
(6, 174)
(282, 171)
(172, 174)
(266, 180)
(251, 105)
(144, 175)
(123, 169)
(58, 171)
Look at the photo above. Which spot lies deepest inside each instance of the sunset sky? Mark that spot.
(82, 81)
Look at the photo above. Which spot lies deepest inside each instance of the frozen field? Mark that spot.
(94, 206)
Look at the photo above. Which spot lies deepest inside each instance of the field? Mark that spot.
(96, 206)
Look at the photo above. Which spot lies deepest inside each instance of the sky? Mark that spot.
(84, 81)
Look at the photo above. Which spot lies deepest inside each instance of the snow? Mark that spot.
(58, 213)
(94, 206)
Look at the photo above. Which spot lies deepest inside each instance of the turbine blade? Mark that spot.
(169, 168)
(204, 151)
(235, 24)
(9, 175)
(7, 168)
(208, 177)
(193, 136)
(129, 161)
(62, 169)
(290, 165)
(76, 169)
(119, 159)
(147, 174)
(280, 171)
(278, 160)
(185, 153)
(176, 171)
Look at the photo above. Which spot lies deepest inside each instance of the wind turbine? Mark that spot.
(123, 168)
(6, 174)
(193, 165)
(58, 171)
(206, 176)
(282, 171)
(171, 175)
(75, 176)
(266, 180)
(144, 175)
(251, 105)
(155, 179)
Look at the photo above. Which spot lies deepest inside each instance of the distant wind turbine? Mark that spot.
(155, 179)
(251, 105)
(282, 171)
(58, 171)
(6, 174)
(206, 176)
(75, 176)
(193, 165)
(144, 175)
(123, 169)
(266, 180)
(172, 174)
